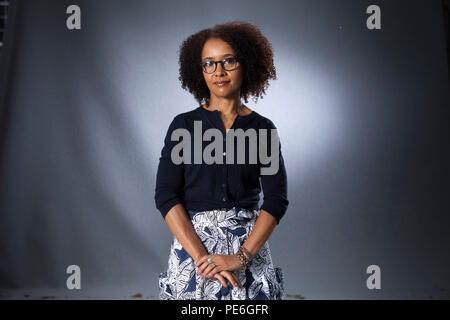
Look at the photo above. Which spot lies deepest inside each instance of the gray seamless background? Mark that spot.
(362, 117)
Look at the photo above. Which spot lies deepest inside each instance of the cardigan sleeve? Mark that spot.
(170, 177)
(274, 186)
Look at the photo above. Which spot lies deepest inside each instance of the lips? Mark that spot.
(221, 83)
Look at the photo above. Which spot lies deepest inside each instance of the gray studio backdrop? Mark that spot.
(362, 116)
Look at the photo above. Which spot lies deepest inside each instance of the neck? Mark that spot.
(225, 107)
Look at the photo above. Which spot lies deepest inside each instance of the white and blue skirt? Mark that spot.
(221, 232)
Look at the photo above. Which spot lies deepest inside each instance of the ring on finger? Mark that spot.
(208, 274)
(207, 271)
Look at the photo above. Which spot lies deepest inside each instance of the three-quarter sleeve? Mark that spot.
(274, 186)
(170, 176)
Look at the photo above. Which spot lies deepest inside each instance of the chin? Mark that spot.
(225, 93)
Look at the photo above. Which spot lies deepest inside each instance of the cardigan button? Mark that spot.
(224, 199)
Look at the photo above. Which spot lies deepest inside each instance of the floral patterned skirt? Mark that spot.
(221, 232)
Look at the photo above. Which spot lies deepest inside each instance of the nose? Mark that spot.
(219, 70)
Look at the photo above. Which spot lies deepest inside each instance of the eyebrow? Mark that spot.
(225, 55)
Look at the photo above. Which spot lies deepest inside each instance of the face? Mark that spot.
(216, 49)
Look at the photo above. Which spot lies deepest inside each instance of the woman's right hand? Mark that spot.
(225, 275)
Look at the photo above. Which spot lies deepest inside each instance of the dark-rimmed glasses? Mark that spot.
(228, 64)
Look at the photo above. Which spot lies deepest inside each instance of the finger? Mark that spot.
(202, 267)
(207, 270)
(221, 279)
(213, 272)
(236, 279)
(230, 278)
(201, 260)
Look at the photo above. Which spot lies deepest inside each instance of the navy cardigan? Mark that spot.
(201, 187)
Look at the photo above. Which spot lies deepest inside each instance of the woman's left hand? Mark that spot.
(222, 262)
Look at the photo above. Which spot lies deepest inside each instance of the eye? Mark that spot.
(208, 63)
(230, 60)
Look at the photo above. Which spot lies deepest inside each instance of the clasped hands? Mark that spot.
(223, 269)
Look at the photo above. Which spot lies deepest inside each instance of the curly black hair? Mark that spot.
(248, 43)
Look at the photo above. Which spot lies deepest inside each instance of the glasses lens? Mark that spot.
(209, 67)
(230, 64)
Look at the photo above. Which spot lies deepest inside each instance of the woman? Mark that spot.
(220, 233)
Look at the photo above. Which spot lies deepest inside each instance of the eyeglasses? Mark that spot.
(228, 64)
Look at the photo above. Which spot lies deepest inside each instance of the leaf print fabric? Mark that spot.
(221, 232)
